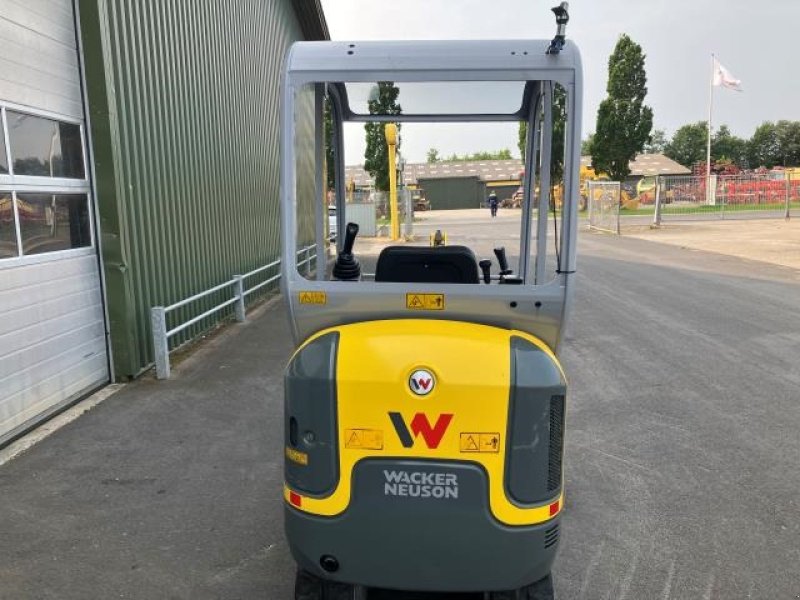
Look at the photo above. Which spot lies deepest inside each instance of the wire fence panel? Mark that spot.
(405, 206)
(604, 204)
(728, 196)
(382, 211)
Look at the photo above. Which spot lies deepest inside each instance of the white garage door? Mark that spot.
(52, 326)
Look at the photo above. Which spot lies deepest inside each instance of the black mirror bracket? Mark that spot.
(562, 18)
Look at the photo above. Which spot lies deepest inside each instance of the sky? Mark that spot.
(756, 41)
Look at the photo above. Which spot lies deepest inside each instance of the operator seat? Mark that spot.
(419, 264)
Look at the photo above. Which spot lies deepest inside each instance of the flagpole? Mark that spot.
(708, 148)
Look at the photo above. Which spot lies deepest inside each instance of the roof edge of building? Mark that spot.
(312, 19)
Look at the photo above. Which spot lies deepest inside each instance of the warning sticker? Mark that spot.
(363, 439)
(313, 298)
(480, 442)
(301, 458)
(425, 301)
(490, 442)
(470, 442)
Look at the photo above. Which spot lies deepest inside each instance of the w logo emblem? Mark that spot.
(421, 382)
(420, 426)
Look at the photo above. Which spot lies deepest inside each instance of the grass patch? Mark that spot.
(669, 209)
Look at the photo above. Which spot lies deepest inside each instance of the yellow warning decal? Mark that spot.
(470, 442)
(479, 442)
(313, 297)
(363, 439)
(301, 458)
(490, 442)
(425, 301)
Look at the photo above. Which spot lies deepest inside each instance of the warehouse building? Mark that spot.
(138, 165)
(451, 185)
(467, 184)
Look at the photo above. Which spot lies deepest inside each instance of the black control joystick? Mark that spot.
(506, 274)
(346, 267)
(486, 269)
(502, 261)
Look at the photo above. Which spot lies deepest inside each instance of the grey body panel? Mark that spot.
(425, 544)
(310, 410)
(349, 302)
(536, 380)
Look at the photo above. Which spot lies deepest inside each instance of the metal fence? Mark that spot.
(720, 197)
(615, 207)
(405, 210)
(237, 288)
(604, 205)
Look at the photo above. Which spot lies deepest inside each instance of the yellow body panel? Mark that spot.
(471, 366)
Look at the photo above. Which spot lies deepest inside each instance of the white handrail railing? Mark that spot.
(158, 314)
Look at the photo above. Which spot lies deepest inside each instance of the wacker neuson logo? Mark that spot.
(419, 484)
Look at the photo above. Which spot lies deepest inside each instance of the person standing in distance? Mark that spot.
(493, 203)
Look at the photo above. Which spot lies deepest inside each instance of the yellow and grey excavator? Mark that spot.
(425, 403)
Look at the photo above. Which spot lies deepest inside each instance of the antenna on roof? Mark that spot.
(562, 18)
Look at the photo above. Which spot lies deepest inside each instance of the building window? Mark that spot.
(8, 228)
(3, 155)
(52, 222)
(44, 188)
(43, 147)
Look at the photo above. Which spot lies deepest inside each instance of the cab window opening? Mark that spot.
(349, 188)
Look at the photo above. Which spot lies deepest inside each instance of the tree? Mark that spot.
(504, 154)
(376, 156)
(559, 134)
(657, 143)
(433, 155)
(623, 120)
(764, 148)
(586, 145)
(788, 133)
(727, 147)
(688, 145)
(559, 131)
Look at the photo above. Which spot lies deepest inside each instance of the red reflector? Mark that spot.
(296, 499)
(554, 507)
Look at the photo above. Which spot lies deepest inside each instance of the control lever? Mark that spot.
(350, 233)
(347, 267)
(486, 268)
(502, 261)
(506, 274)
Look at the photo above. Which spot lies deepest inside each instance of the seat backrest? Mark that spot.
(420, 264)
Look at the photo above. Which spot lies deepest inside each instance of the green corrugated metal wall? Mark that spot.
(448, 193)
(184, 104)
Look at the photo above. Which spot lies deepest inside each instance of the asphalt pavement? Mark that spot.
(682, 453)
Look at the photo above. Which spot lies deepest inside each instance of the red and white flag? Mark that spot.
(724, 78)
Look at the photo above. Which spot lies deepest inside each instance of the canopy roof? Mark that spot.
(476, 77)
(450, 60)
